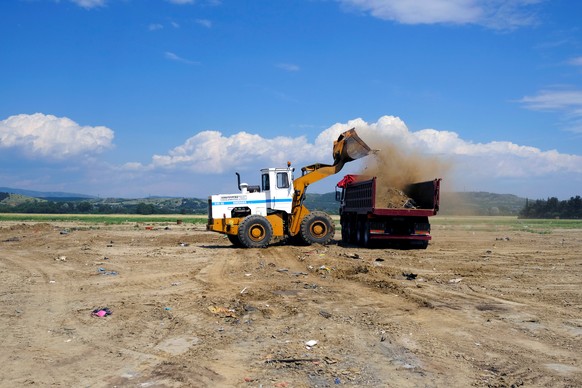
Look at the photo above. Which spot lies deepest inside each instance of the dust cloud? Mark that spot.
(396, 168)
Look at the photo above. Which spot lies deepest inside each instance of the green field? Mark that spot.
(509, 222)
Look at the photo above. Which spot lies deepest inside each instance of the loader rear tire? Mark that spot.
(233, 238)
(317, 228)
(255, 232)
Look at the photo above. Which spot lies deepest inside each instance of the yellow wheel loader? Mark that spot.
(252, 217)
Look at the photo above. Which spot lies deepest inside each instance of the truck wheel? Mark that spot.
(366, 234)
(352, 231)
(317, 228)
(345, 232)
(233, 238)
(255, 231)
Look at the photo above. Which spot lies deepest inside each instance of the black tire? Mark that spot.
(233, 238)
(317, 228)
(365, 234)
(360, 233)
(255, 232)
(352, 231)
(345, 232)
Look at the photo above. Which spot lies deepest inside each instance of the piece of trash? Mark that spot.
(64, 231)
(337, 380)
(103, 271)
(409, 275)
(457, 280)
(325, 314)
(149, 227)
(282, 270)
(379, 259)
(311, 343)
(52, 281)
(243, 290)
(324, 268)
(167, 308)
(61, 258)
(101, 312)
(176, 284)
(222, 311)
(184, 244)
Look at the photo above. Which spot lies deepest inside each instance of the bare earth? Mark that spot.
(488, 308)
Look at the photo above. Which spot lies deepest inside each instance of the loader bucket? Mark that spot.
(349, 147)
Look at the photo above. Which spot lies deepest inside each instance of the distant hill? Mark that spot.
(464, 203)
(43, 194)
(480, 203)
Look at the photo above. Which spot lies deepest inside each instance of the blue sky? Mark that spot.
(133, 98)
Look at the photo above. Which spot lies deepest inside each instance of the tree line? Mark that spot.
(553, 208)
(185, 206)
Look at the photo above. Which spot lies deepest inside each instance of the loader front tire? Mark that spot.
(317, 228)
(255, 232)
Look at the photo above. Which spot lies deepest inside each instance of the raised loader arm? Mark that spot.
(346, 148)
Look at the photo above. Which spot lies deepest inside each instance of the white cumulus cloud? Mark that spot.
(491, 13)
(89, 3)
(51, 137)
(211, 152)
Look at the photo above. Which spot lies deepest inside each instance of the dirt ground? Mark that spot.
(488, 307)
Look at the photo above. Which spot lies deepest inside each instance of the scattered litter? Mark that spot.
(457, 280)
(61, 258)
(101, 312)
(290, 360)
(409, 275)
(324, 268)
(311, 343)
(222, 311)
(103, 271)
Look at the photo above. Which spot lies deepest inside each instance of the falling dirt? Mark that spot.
(482, 306)
(395, 168)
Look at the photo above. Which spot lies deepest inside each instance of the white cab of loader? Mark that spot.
(274, 194)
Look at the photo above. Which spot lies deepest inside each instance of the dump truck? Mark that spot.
(257, 213)
(371, 215)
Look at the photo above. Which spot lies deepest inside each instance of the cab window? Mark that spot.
(282, 180)
(266, 183)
